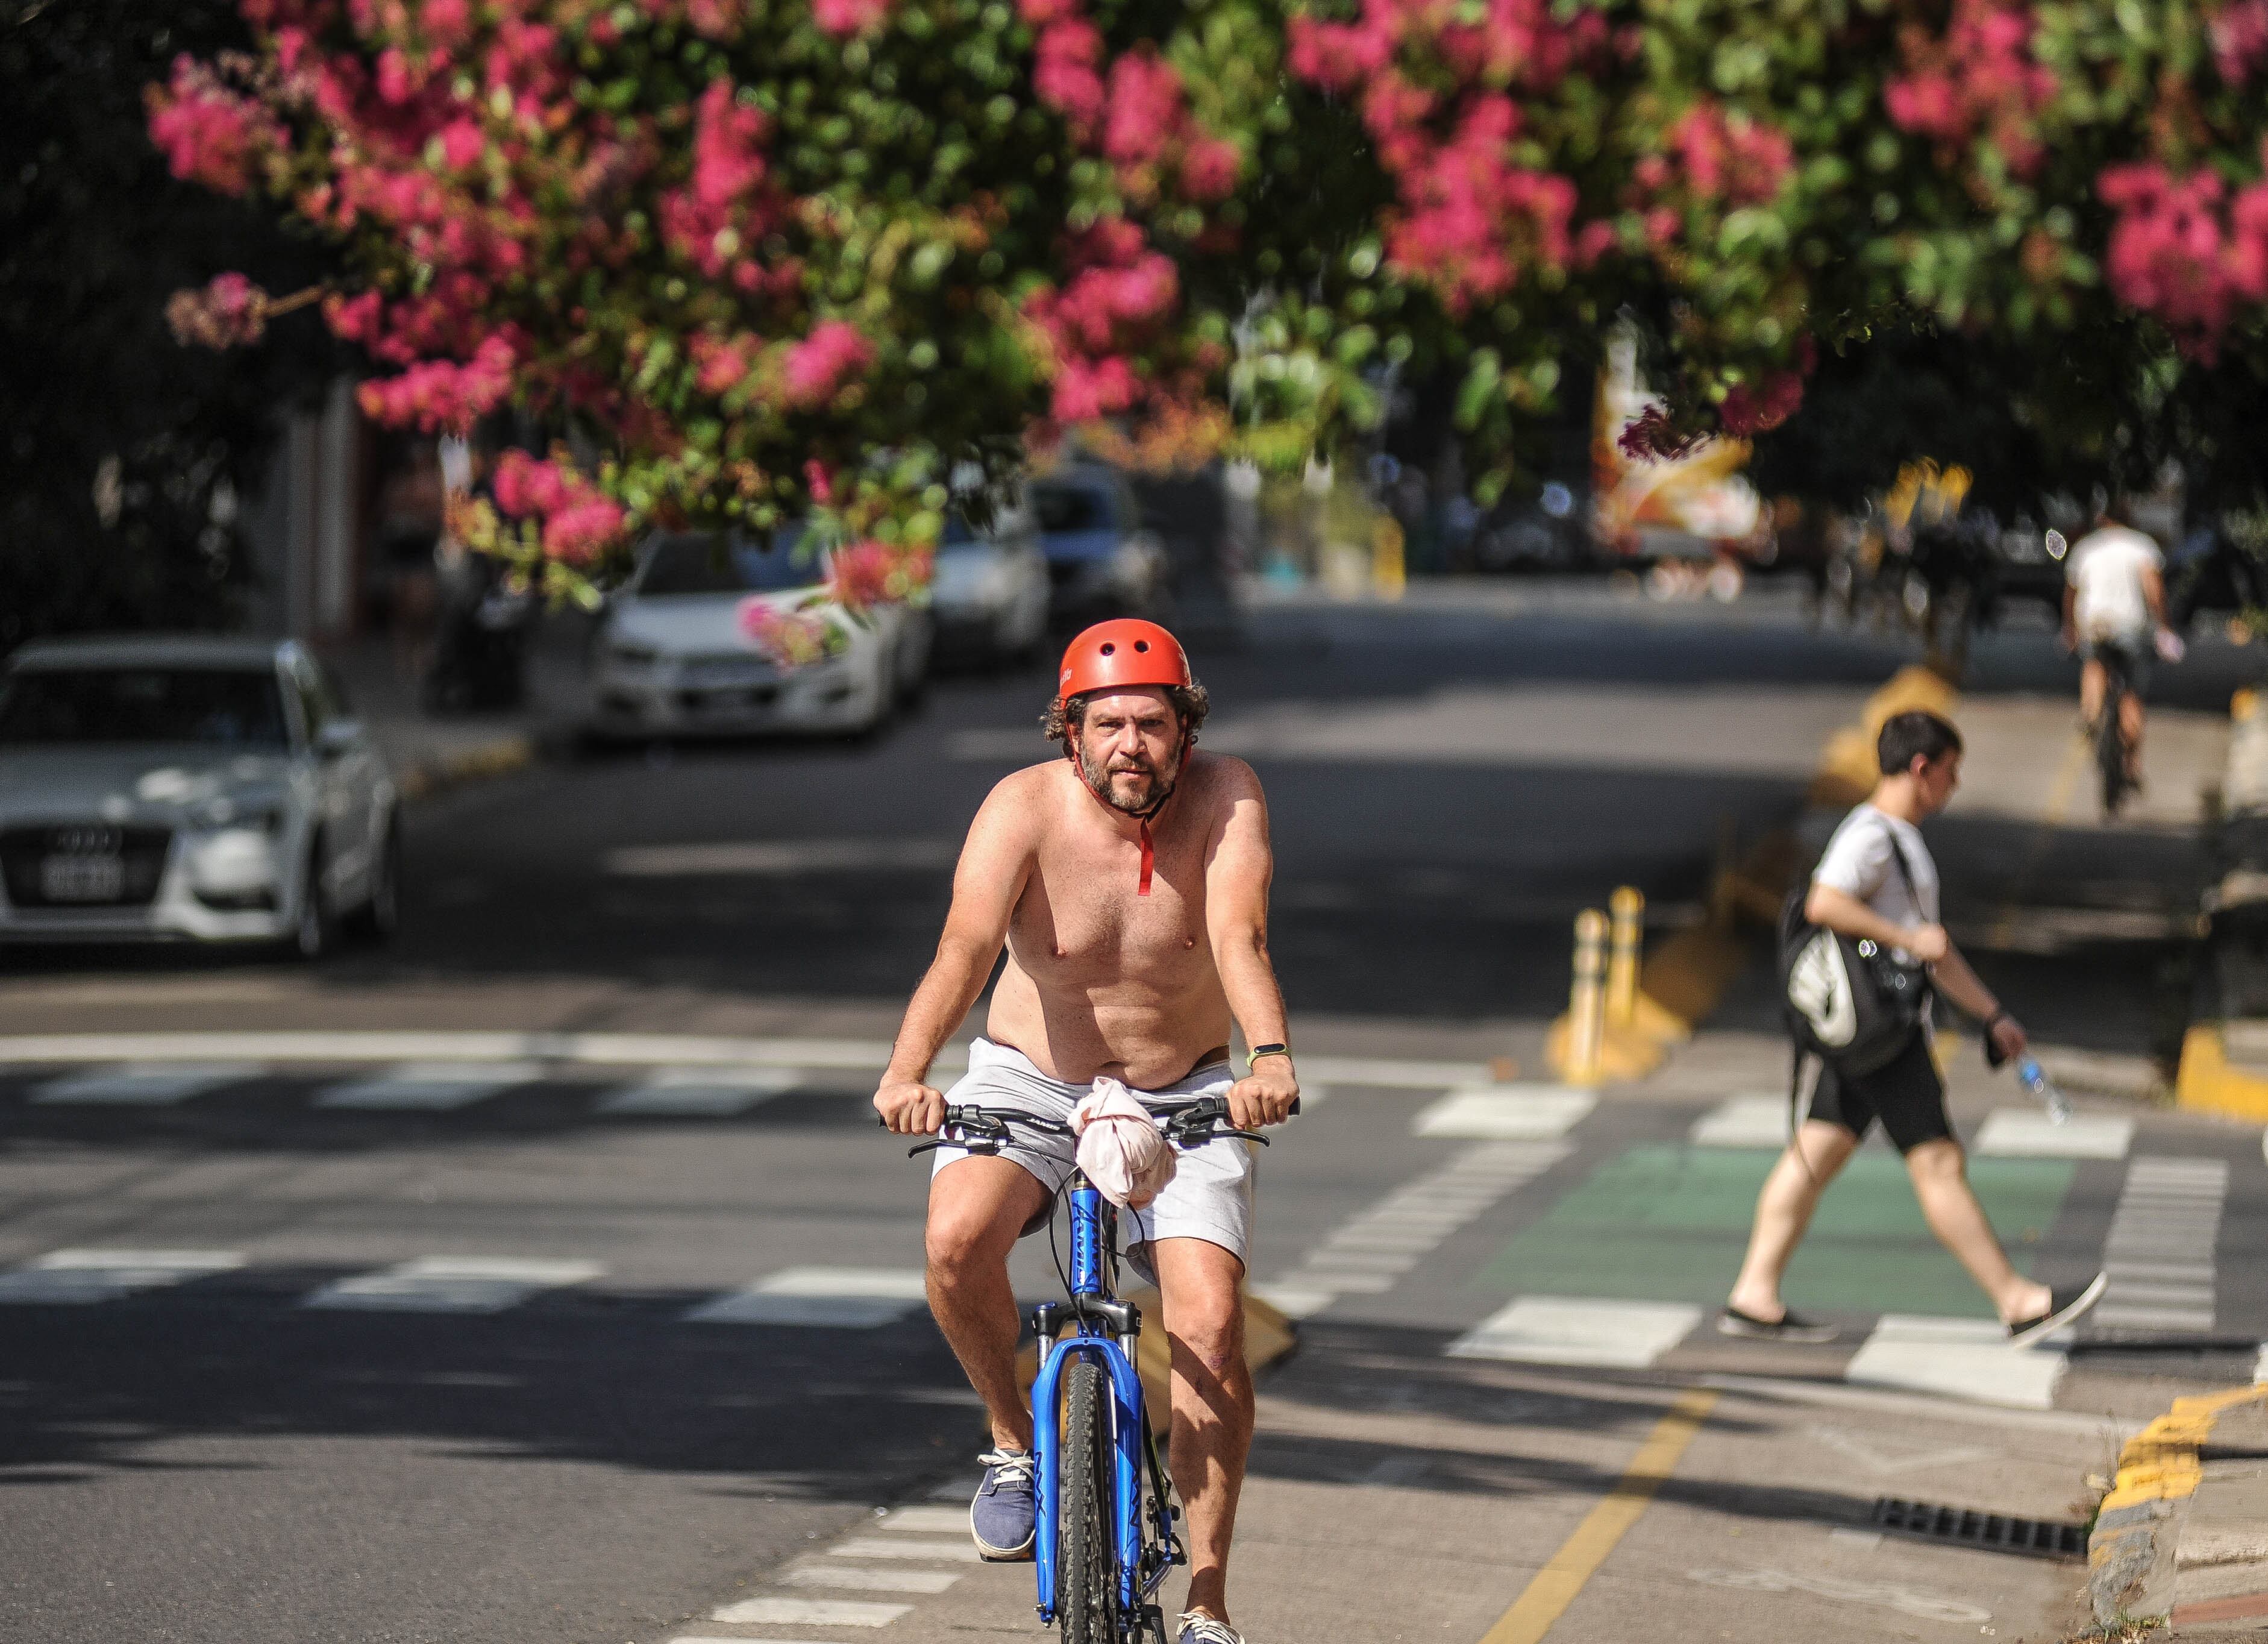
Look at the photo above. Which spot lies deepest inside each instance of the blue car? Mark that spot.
(1100, 560)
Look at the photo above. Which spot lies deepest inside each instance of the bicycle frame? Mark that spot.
(1104, 1328)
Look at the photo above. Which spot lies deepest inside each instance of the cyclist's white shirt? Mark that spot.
(2106, 569)
(1857, 862)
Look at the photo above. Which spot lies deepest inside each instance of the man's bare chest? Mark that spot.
(1081, 919)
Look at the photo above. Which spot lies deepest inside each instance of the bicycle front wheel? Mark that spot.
(1086, 1569)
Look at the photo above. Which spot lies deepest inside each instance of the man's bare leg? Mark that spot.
(1783, 1209)
(1202, 1285)
(2129, 726)
(977, 1207)
(2093, 683)
(1940, 1182)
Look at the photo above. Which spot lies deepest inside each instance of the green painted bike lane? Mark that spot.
(1666, 1222)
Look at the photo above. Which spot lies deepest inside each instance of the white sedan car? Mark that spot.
(189, 787)
(990, 593)
(674, 656)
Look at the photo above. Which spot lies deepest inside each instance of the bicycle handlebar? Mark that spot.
(1192, 1126)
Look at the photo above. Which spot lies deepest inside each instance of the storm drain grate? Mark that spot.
(2039, 1537)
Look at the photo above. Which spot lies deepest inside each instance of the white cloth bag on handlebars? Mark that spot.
(1121, 1148)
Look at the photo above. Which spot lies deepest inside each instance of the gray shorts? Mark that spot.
(1210, 1197)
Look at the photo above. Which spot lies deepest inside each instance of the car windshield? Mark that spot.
(218, 707)
(1072, 508)
(709, 562)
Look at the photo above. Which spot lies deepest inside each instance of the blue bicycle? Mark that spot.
(1106, 1534)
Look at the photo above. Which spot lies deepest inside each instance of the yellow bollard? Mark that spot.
(1628, 907)
(1586, 1005)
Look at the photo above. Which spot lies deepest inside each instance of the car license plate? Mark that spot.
(82, 878)
(739, 701)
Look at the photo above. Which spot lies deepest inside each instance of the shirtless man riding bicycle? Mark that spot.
(1129, 882)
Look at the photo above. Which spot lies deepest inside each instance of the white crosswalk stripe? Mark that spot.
(840, 1298)
(83, 1276)
(2028, 1133)
(1368, 1254)
(1746, 1121)
(140, 1085)
(960, 1550)
(700, 1092)
(810, 1612)
(2159, 1251)
(453, 1284)
(1966, 1359)
(1580, 1330)
(429, 1087)
(935, 1521)
(1505, 1113)
(865, 1578)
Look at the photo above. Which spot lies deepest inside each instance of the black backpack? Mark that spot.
(1847, 1000)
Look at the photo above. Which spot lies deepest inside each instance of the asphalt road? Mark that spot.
(535, 1359)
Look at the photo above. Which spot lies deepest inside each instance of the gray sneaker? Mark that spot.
(1197, 1629)
(1001, 1517)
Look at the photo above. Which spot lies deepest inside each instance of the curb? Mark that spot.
(2205, 1083)
(1683, 981)
(2138, 1529)
(436, 774)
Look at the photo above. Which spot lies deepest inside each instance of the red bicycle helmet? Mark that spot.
(1124, 652)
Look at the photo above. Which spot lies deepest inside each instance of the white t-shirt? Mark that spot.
(1857, 862)
(2106, 567)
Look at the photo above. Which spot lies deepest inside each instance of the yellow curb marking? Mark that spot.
(1555, 1586)
(2160, 1462)
(2207, 1083)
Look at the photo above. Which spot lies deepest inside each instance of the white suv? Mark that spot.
(189, 787)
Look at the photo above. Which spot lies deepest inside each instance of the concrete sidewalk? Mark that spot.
(430, 752)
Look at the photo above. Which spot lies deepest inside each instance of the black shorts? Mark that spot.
(1904, 1093)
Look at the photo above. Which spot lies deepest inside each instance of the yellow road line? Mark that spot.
(2076, 760)
(1547, 1595)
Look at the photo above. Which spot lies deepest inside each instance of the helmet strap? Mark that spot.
(1141, 818)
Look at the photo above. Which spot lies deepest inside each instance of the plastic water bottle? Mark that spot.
(2042, 1090)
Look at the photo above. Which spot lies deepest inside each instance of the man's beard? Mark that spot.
(1136, 787)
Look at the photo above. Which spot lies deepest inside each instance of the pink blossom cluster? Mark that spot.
(849, 17)
(1980, 77)
(2239, 39)
(579, 520)
(792, 638)
(727, 204)
(721, 363)
(862, 575)
(1652, 437)
(1120, 293)
(821, 365)
(1745, 410)
(1471, 220)
(2185, 248)
(442, 394)
(1733, 158)
(1140, 114)
(209, 133)
(1148, 131)
(1520, 43)
(227, 311)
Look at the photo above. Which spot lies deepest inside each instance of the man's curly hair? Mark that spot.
(1189, 703)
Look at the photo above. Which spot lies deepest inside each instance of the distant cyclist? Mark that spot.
(1129, 882)
(2114, 615)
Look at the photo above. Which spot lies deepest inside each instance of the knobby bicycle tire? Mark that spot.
(1086, 1569)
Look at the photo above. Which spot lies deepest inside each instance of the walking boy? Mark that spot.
(1876, 881)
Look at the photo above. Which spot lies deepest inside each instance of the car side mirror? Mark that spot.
(338, 737)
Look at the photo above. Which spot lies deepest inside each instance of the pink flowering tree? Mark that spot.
(757, 261)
